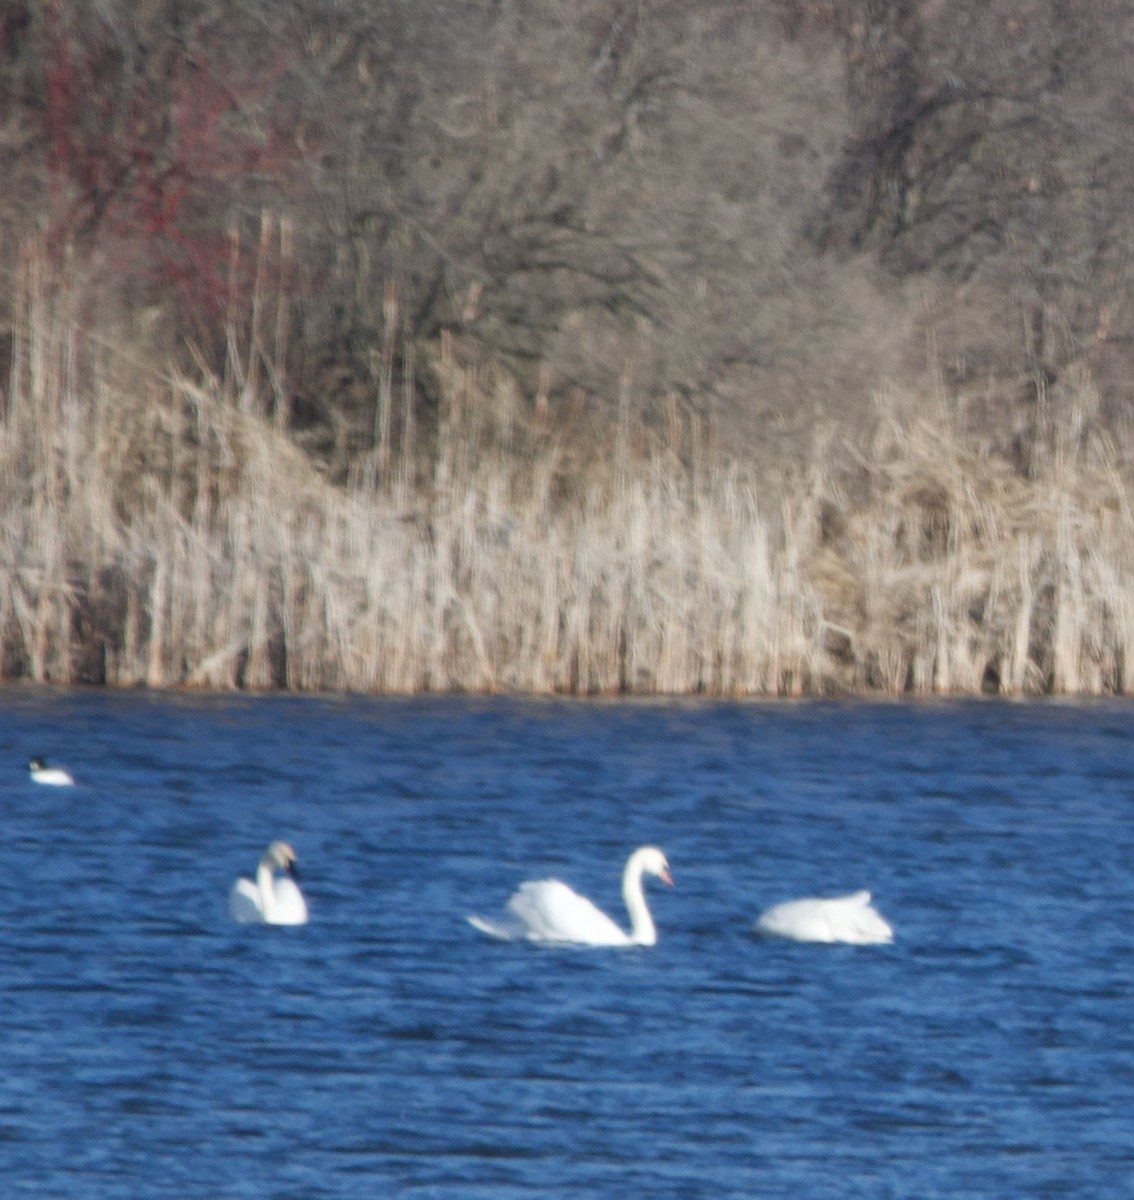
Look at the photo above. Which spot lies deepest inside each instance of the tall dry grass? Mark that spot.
(161, 529)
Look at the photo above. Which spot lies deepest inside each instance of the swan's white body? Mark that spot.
(546, 910)
(840, 919)
(51, 776)
(270, 899)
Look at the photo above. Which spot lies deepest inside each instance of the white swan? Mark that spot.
(839, 919)
(271, 899)
(546, 910)
(52, 776)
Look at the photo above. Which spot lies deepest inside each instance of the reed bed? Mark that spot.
(163, 530)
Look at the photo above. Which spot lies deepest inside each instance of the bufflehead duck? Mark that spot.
(52, 776)
(270, 899)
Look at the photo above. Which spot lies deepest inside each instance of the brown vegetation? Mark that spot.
(676, 347)
(172, 534)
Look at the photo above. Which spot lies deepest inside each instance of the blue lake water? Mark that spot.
(150, 1048)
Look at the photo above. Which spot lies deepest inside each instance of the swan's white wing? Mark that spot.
(801, 920)
(53, 777)
(244, 902)
(839, 919)
(550, 911)
(290, 908)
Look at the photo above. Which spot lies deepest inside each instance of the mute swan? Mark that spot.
(546, 910)
(840, 919)
(271, 899)
(52, 776)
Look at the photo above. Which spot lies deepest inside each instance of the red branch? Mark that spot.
(145, 165)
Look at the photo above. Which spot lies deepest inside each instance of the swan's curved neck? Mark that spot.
(642, 930)
(265, 885)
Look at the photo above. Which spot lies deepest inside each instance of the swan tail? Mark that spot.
(495, 929)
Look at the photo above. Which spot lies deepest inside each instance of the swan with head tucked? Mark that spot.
(849, 919)
(40, 772)
(546, 910)
(270, 899)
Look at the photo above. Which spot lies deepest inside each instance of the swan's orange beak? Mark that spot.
(666, 877)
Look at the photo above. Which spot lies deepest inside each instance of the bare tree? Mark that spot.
(756, 213)
(990, 153)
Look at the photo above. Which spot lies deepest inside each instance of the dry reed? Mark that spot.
(165, 531)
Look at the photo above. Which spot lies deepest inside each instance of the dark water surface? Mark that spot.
(149, 1048)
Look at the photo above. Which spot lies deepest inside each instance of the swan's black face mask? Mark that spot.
(293, 871)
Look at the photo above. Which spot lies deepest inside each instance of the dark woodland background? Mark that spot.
(762, 212)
